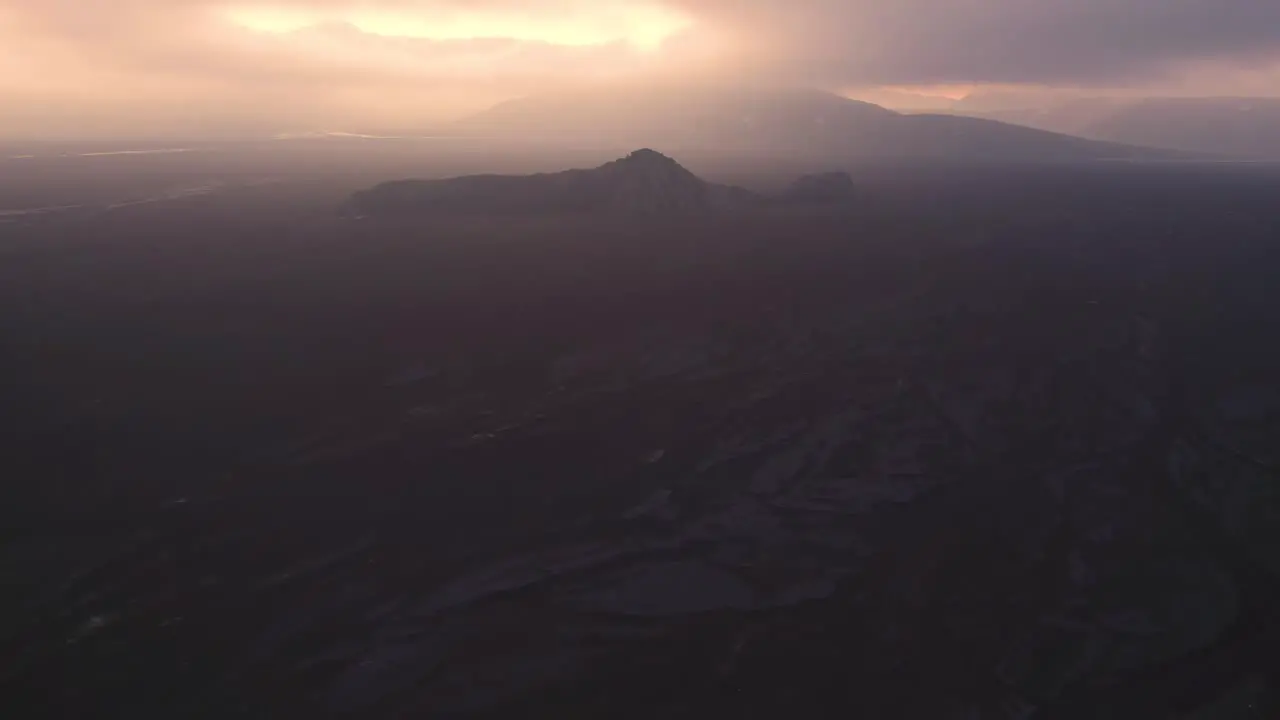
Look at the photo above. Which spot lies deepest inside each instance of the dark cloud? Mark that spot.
(996, 41)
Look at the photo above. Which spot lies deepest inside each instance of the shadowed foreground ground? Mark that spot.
(989, 445)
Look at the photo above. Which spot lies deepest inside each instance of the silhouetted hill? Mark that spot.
(644, 182)
(775, 123)
(1235, 127)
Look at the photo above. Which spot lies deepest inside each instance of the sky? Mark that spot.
(139, 67)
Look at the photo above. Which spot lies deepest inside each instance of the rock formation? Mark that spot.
(644, 182)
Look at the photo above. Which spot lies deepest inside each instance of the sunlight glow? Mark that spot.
(641, 24)
(950, 92)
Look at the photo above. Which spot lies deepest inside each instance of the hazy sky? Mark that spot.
(140, 66)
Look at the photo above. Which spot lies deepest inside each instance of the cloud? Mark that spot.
(203, 36)
(131, 65)
(995, 41)
(312, 62)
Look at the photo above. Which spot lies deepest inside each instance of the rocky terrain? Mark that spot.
(1014, 457)
(967, 521)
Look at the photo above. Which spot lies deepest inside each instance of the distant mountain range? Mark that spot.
(777, 123)
(1246, 128)
(645, 182)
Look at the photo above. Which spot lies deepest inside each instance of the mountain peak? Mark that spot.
(648, 182)
(646, 161)
(647, 155)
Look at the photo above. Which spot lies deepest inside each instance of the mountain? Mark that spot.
(903, 100)
(775, 123)
(645, 182)
(1234, 127)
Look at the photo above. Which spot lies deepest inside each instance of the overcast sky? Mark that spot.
(138, 66)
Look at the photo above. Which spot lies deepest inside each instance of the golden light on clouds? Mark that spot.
(141, 67)
(599, 22)
(949, 92)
